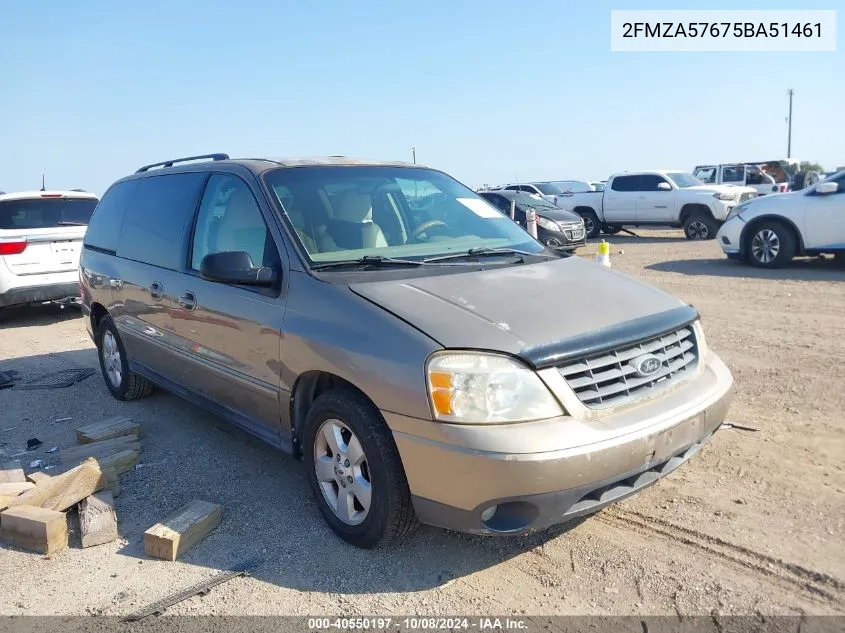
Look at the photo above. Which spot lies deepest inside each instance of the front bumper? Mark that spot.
(562, 240)
(453, 482)
(729, 237)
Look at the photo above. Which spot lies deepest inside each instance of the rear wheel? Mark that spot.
(355, 471)
(770, 245)
(122, 383)
(700, 226)
(592, 226)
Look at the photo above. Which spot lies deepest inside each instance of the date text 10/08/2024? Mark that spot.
(720, 29)
(417, 624)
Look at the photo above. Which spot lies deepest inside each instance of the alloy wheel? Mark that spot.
(698, 230)
(342, 472)
(765, 246)
(111, 359)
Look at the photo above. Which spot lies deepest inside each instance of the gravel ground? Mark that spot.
(753, 525)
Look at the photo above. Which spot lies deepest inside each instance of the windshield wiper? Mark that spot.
(369, 260)
(481, 251)
(69, 223)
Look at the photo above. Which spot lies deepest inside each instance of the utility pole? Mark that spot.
(790, 92)
(43, 187)
(414, 155)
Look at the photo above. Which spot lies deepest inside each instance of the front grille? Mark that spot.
(573, 230)
(747, 196)
(608, 379)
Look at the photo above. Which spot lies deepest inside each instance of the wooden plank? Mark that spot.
(16, 488)
(36, 529)
(182, 530)
(99, 449)
(11, 472)
(120, 462)
(38, 477)
(97, 519)
(112, 484)
(5, 500)
(107, 429)
(65, 490)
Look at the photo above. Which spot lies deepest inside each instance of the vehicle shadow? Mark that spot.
(269, 517)
(25, 316)
(624, 238)
(807, 269)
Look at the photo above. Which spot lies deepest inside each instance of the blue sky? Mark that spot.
(488, 91)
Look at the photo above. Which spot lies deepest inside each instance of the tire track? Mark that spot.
(789, 575)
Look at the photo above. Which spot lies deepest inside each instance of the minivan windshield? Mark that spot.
(683, 180)
(345, 213)
(43, 213)
(527, 200)
(549, 189)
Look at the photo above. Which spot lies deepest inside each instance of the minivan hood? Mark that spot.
(515, 308)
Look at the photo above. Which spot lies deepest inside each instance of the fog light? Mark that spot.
(488, 513)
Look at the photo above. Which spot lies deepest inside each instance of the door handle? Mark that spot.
(188, 300)
(156, 290)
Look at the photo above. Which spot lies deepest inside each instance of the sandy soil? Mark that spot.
(753, 525)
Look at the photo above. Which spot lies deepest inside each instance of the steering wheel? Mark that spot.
(422, 228)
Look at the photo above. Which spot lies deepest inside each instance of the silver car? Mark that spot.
(425, 358)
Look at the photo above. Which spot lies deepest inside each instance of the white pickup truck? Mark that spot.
(657, 198)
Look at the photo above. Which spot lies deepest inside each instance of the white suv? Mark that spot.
(770, 230)
(40, 239)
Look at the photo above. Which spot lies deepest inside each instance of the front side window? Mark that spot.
(229, 219)
(345, 213)
(706, 175)
(733, 174)
(649, 182)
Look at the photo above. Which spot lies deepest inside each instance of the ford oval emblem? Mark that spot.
(647, 365)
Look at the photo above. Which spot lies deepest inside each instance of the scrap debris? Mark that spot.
(733, 425)
(8, 379)
(59, 379)
(182, 530)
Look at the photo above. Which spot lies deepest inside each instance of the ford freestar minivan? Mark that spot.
(420, 352)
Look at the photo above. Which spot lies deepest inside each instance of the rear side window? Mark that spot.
(45, 213)
(155, 219)
(104, 229)
(625, 183)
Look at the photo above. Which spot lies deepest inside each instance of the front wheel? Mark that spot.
(770, 245)
(355, 471)
(700, 226)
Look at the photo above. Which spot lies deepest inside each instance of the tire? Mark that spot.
(770, 245)
(375, 471)
(122, 383)
(591, 223)
(700, 226)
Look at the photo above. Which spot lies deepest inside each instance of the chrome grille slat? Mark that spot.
(610, 378)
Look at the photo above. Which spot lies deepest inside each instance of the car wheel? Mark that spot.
(122, 383)
(700, 226)
(592, 226)
(355, 472)
(770, 245)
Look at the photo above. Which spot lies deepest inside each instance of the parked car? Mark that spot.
(768, 232)
(435, 365)
(657, 198)
(546, 190)
(556, 228)
(573, 186)
(598, 185)
(40, 240)
(766, 177)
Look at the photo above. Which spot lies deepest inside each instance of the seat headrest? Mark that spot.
(240, 210)
(355, 207)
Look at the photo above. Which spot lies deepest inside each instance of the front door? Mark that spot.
(232, 334)
(824, 218)
(655, 204)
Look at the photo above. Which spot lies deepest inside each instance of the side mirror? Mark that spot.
(236, 267)
(827, 188)
(664, 186)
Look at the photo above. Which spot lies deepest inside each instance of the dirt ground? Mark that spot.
(753, 525)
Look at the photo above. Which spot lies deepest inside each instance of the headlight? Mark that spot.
(725, 196)
(477, 387)
(547, 224)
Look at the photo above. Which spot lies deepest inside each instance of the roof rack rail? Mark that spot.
(169, 163)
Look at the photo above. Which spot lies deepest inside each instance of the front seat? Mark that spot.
(242, 227)
(352, 226)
